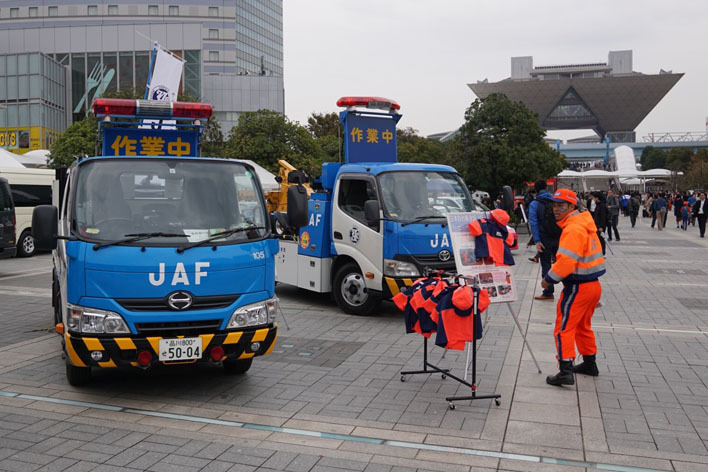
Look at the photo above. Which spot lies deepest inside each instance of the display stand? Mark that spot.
(429, 368)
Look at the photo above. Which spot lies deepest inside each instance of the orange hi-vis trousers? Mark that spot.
(573, 315)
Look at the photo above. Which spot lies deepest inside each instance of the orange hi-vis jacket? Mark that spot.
(579, 258)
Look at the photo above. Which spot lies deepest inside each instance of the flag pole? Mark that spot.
(152, 65)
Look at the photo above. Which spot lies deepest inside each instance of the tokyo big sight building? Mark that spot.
(57, 55)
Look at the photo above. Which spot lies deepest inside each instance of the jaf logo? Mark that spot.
(305, 240)
(354, 235)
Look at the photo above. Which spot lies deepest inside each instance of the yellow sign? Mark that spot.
(8, 139)
(24, 139)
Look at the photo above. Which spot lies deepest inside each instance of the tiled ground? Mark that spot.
(340, 374)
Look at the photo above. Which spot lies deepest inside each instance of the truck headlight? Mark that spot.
(400, 268)
(255, 314)
(95, 321)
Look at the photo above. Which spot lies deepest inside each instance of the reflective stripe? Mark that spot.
(392, 286)
(581, 259)
(554, 276)
(589, 270)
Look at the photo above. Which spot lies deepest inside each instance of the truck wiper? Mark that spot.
(133, 237)
(419, 219)
(218, 235)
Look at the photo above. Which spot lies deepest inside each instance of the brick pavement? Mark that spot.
(648, 408)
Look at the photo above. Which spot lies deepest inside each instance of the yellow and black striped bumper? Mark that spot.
(123, 351)
(394, 285)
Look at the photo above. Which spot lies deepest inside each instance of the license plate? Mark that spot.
(180, 349)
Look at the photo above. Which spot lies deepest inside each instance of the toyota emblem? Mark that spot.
(179, 300)
(444, 255)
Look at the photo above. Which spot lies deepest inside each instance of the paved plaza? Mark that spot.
(330, 396)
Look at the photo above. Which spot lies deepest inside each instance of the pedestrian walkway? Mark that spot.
(330, 397)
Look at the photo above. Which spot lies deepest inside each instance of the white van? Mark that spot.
(30, 187)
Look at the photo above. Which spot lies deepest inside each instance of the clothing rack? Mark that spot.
(429, 368)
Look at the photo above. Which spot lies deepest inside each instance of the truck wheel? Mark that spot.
(78, 376)
(237, 366)
(351, 293)
(25, 245)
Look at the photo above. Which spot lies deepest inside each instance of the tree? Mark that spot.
(697, 175)
(265, 136)
(414, 148)
(653, 158)
(323, 124)
(500, 144)
(212, 140)
(79, 139)
(679, 159)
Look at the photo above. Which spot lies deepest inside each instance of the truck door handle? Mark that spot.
(337, 235)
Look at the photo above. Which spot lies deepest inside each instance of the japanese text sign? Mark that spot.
(370, 139)
(143, 142)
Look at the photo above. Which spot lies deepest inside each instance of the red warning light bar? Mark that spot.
(379, 103)
(153, 108)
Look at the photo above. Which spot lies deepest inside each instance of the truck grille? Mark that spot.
(432, 261)
(186, 328)
(160, 304)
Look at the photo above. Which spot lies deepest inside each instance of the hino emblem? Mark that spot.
(179, 300)
(444, 255)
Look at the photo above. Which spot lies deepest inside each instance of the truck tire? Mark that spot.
(77, 376)
(237, 366)
(350, 291)
(25, 245)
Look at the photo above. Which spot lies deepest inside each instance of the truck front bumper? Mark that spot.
(123, 351)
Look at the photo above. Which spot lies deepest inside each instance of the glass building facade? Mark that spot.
(33, 94)
(259, 35)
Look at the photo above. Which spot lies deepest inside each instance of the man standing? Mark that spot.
(661, 207)
(633, 207)
(546, 233)
(700, 211)
(579, 264)
(613, 206)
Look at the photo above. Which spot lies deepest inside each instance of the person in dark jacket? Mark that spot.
(613, 209)
(700, 211)
(546, 245)
(599, 216)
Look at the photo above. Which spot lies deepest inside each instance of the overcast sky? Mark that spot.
(423, 53)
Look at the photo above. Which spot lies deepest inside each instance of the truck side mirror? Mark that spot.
(45, 225)
(371, 212)
(297, 206)
(507, 199)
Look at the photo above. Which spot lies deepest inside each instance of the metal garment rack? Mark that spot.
(429, 368)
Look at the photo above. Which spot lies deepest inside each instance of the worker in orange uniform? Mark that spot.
(579, 264)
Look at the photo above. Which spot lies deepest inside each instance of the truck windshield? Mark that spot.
(412, 195)
(198, 199)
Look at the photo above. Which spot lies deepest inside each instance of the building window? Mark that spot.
(33, 12)
(53, 11)
(14, 12)
(214, 56)
(173, 10)
(112, 10)
(213, 11)
(153, 10)
(213, 34)
(92, 10)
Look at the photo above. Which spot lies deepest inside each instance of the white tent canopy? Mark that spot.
(267, 179)
(623, 160)
(36, 158)
(8, 159)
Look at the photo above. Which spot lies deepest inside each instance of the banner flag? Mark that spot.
(164, 83)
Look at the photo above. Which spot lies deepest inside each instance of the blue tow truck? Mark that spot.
(160, 256)
(374, 224)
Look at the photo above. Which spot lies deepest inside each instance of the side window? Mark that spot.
(31, 195)
(353, 193)
(5, 201)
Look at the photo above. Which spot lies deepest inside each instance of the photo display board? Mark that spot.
(497, 279)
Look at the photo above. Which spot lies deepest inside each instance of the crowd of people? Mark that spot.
(606, 207)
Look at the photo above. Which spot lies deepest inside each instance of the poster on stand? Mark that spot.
(497, 279)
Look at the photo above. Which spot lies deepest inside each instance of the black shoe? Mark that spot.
(533, 259)
(588, 367)
(564, 377)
